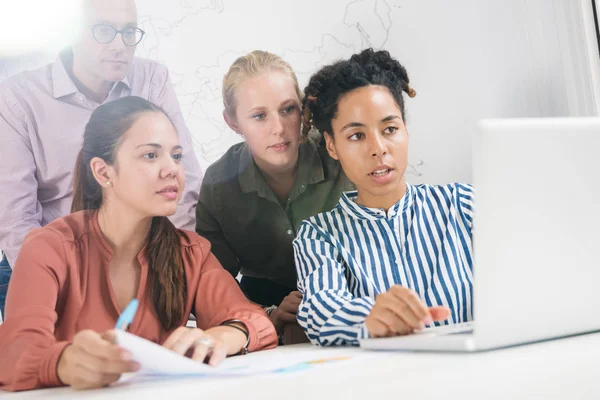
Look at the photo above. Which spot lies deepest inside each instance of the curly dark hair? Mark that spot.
(327, 86)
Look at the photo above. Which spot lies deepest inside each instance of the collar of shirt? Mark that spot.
(310, 171)
(105, 249)
(355, 210)
(62, 84)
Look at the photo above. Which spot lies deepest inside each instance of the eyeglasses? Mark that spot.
(104, 34)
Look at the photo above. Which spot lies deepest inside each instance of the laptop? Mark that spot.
(536, 238)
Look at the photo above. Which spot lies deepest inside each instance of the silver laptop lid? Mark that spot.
(536, 229)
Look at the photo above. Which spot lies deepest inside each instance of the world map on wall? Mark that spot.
(467, 60)
(199, 40)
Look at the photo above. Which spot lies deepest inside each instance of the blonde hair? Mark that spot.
(253, 64)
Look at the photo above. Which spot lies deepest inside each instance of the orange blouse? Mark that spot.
(60, 286)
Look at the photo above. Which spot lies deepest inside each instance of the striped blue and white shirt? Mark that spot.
(346, 256)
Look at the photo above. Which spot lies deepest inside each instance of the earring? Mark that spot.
(107, 183)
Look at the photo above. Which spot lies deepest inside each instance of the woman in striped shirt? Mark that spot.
(391, 257)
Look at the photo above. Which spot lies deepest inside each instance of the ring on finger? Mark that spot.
(206, 341)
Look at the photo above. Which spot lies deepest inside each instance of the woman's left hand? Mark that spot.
(212, 345)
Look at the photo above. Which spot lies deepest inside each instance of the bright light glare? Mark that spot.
(37, 25)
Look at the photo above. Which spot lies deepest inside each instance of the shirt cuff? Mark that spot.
(49, 369)
(363, 332)
(261, 331)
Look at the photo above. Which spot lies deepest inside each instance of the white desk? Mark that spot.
(562, 369)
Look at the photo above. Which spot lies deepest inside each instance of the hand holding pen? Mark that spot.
(93, 359)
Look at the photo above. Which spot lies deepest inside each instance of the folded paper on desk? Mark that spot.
(156, 360)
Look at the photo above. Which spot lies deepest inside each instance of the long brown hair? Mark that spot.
(103, 134)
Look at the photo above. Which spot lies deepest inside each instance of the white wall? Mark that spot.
(467, 59)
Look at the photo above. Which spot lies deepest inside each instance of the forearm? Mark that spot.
(261, 333)
(29, 351)
(232, 305)
(20, 210)
(333, 317)
(329, 312)
(13, 234)
(29, 361)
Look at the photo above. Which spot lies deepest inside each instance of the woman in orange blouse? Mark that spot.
(74, 276)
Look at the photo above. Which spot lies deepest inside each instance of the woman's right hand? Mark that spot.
(399, 311)
(93, 360)
(285, 313)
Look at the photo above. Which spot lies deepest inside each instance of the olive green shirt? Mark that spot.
(249, 230)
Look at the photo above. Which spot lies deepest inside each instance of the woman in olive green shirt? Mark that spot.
(254, 198)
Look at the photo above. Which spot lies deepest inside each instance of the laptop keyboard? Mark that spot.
(461, 328)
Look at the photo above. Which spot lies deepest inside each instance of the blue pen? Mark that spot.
(127, 315)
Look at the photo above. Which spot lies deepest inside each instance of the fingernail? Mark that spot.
(125, 355)
(428, 321)
(135, 366)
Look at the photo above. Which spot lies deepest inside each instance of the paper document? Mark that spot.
(157, 360)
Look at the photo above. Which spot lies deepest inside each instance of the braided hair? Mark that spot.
(328, 85)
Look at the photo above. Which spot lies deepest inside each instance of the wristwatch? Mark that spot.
(270, 309)
(232, 324)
